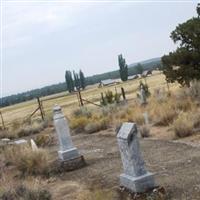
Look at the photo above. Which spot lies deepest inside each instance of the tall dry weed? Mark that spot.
(183, 125)
(27, 161)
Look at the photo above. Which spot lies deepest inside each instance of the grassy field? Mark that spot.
(69, 102)
(174, 121)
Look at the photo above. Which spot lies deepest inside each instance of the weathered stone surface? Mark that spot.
(146, 118)
(138, 184)
(72, 164)
(135, 176)
(67, 151)
(143, 98)
(19, 142)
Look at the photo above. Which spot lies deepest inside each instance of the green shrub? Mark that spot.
(109, 98)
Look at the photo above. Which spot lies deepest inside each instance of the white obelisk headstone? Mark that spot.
(67, 151)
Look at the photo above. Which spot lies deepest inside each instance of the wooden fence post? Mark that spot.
(77, 95)
(80, 98)
(2, 121)
(123, 93)
(41, 108)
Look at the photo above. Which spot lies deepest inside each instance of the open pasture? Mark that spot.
(68, 102)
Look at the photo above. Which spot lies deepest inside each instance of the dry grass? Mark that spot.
(44, 140)
(68, 103)
(28, 162)
(162, 110)
(186, 123)
(162, 113)
(78, 123)
(29, 189)
(21, 129)
(89, 124)
(97, 125)
(183, 125)
(97, 194)
(144, 131)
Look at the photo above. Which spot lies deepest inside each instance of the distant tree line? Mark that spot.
(124, 69)
(61, 87)
(182, 65)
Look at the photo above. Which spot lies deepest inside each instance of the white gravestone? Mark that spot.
(143, 96)
(34, 145)
(67, 150)
(146, 118)
(135, 177)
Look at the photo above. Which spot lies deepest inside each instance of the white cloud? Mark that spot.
(21, 23)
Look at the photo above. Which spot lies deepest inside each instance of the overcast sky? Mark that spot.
(41, 40)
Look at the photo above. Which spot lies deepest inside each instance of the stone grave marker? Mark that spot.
(143, 98)
(34, 145)
(146, 118)
(67, 151)
(135, 177)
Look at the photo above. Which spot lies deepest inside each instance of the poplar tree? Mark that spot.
(76, 80)
(69, 81)
(82, 79)
(123, 68)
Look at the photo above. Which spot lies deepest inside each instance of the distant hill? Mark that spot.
(147, 64)
(152, 60)
(60, 87)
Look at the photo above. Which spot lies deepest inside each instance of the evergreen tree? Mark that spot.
(69, 81)
(183, 65)
(139, 68)
(82, 79)
(123, 68)
(76, 80)
(198, 10)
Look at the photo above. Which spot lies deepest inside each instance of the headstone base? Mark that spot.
(138, 184)
(68, 154)
(72, 164)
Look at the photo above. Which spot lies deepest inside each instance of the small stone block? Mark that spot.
(138, 184)
(68, 154)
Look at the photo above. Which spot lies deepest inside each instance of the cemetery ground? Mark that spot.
(170, 146)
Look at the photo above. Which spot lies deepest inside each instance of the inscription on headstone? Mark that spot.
(135, 177)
